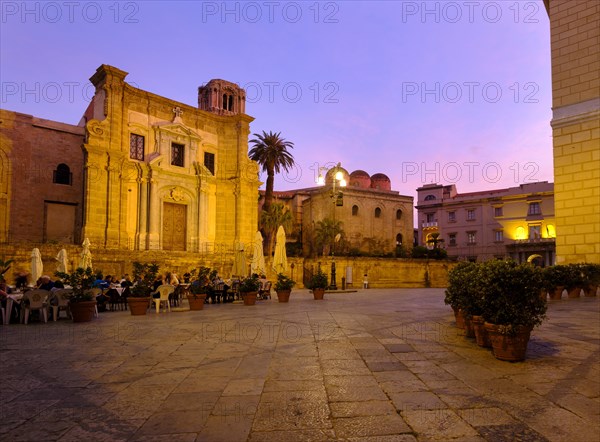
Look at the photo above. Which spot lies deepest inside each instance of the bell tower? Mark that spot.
(222, 97)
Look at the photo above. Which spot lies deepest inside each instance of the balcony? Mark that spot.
(429, 225)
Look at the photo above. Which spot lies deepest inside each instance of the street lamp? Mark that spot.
(337, 197)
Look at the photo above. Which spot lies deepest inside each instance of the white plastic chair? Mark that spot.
(35, 300)
(165, 290)
(94, 292)
(61, 297)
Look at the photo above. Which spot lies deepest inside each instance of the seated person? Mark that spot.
(45, 283)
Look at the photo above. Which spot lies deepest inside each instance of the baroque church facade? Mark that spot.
(140, 172)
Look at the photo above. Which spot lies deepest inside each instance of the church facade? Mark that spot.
(146, 172)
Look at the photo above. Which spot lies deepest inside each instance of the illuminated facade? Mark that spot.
(516, 222)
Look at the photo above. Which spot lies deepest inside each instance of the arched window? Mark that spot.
(429, 197)
(399, 239)
(377, 212)
(398, 214)
(62, 175)
(354, 210)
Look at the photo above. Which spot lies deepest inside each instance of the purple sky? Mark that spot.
(448, 92)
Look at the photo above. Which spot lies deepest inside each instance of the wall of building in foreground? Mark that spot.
(381, 273)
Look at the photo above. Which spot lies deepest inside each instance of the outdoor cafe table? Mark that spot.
(9, 304)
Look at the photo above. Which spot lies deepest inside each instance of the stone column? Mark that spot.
(154, 209)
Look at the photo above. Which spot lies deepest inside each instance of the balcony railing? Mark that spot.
(429, 224)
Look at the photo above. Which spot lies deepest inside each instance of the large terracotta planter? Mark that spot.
(283, 295)
(196, 301)
(82, 311)
(249, 298)
(557, 293)
(318, 293)
(460, 319)
(138, 306)
(508, 347)
(481, 335)
(469, 331)
(590, 290)
(574, 292)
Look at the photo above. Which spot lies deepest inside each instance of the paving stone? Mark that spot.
(399, 348)
(515, 432)
(417, 400)
(478, 417)
(438, 424)
(362, 408)
(370, 426)
(292, 410)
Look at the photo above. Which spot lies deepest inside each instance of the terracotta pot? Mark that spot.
(82, 311)
(543, 294)
(138, 306)
(508, 347)
(557, 293)
(283, 295)
(590, 290)
(481, 335)
(249, 297)
(460, 319)
(469, 331)
(196, 301)
(318, 294)
(574, 292)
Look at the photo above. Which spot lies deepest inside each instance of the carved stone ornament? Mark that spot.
(176, 194)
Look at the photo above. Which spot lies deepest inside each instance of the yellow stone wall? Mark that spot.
(575, 44)
(124, 198)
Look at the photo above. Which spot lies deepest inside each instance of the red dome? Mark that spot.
(381, 181)
(360, 178)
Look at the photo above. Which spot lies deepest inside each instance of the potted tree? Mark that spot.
(144, 276)
(82, 304)
(554, 280)
(591, 277)
(456, 292)
(198, 288)
(511, 306)
(471, 305)
(575, 280)
(249, 289)
(318, 284)
(283, 287)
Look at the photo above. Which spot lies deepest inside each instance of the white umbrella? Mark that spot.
(86, 255)
(37, 266)
(258, 256)
(62, 261)
(239, 262)
(280, 259)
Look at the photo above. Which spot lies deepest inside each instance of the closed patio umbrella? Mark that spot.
(258, 257)
(86, 255)
(280, 259)
(239, 262)
(62, 261)
(37, 266)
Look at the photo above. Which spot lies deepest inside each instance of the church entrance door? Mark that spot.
(174, 222)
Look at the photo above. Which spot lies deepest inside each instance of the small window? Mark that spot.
(471, 237)
(430, 217)
(429, 197)
(354, 210)
(136, 147)
(452, 239)
(470, 214)
(209, 161)
(498, 211)
(535, 231)
(62, 175)
(534, 209)
(377, 212)
(399, 239)
(398, 214)
(451, 217)
(177, 152)
(498, 236)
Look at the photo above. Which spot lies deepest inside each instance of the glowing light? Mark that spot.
(339, 175)
(320, 180)
(342, 183)
(551, 231)
(520, 233)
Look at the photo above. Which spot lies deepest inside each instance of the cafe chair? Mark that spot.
(264, 291)
(164, 290)
(61, 303)
(35, 300)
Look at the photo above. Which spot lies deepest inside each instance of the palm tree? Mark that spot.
(435, 240)
(4, 266)
(270, 220)
(270, 151)
(326, 232)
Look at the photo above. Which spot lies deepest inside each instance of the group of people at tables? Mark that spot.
(21, 285)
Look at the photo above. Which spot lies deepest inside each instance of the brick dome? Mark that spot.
(360, 178)
(381, 181)
(330, 174)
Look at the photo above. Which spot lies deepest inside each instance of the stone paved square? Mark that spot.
(377, 364)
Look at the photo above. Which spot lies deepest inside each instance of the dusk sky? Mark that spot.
(447, 92)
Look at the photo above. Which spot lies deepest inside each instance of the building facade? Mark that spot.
(516, 222)
(575, 45)
(146, 172)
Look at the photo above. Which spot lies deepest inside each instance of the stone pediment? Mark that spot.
(177, 130)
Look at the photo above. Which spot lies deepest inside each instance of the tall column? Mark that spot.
(142, 222)
(154, 209)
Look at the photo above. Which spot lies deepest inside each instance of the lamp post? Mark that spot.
(336, 196)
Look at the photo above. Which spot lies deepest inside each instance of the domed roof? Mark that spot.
(333, 171)
(360, 178)
(381, 181)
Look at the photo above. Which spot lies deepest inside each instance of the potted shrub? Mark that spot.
(283, 287)
(456, 292)
(554, 280)
(574, 281)
(471, 305)
(591, 277)
(196, 295)
(144, 276)
(249, 289)
(82, 304)
(511, 306)
(318, 284)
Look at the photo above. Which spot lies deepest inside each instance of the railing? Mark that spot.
(429, 224)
